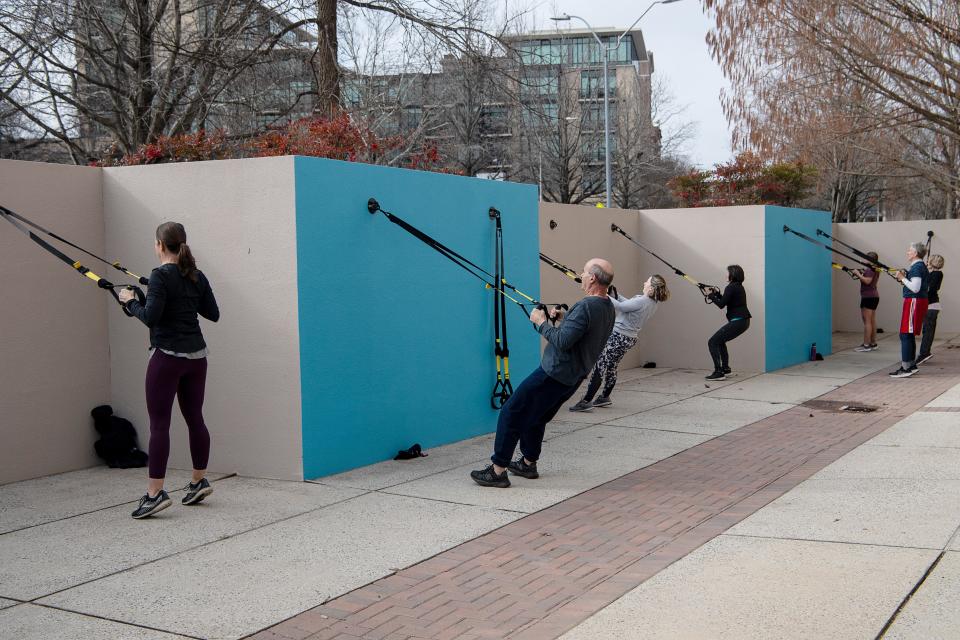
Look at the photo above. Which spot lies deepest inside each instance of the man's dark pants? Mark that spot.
(525, 415)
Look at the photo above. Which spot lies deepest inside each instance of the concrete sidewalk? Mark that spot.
(74, 565)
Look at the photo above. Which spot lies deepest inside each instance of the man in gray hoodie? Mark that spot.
(573, 345)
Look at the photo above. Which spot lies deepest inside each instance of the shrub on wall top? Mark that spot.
(339, 138)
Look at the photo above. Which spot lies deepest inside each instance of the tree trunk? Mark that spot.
(325, 67)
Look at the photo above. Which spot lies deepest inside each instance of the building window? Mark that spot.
(493, 120)
(591, 84)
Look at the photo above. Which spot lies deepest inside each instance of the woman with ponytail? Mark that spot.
(632, 313)
(177, 293)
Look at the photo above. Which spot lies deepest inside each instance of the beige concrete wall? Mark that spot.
(702, 242)
(240, 222)
(890, 240)
(54, 357)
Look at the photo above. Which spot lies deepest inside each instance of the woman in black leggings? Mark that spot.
(177, 293)
(734, 299)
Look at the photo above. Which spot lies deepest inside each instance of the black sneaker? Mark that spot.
(197, 492)
(583, 405)
(903, 373)
(728, 372)
(490, 478)
(716, 375)
(520, 468)
(602, 401)
(149, 506)
(923, 359)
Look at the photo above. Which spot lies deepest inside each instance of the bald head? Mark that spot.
(602, 272)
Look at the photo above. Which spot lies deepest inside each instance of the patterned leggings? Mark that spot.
(606, 367)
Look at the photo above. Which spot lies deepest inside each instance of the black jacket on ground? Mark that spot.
(173, 302)
(734, 299)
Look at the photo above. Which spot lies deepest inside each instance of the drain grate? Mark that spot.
(839, 405)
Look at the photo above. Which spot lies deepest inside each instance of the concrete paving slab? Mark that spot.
(32, 502)
(709, 416)
(625, 402)
(915, 463)
(58, 555)
(30, 622)
(740, 589)
(685, 382)
(949, 399)
(569, 465)
(393, 472)
(637, 373)
(843, 367)
(932, 612)
(922, 429)
(4, 603)
(905, 513)
(775, 387)
(246, 583)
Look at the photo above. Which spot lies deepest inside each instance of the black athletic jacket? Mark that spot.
(933, 291)
(734, 298)
(173, 302)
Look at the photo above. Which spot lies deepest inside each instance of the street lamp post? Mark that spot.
(606, 82)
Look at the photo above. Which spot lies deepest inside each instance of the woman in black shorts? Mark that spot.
(869, 300)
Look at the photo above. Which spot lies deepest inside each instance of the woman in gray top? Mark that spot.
(632, 313)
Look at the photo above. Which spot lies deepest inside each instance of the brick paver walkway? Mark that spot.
(542, 575)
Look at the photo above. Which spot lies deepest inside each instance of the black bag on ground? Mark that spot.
(118, 440)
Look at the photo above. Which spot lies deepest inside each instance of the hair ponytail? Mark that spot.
(174, 239)
(186, 263)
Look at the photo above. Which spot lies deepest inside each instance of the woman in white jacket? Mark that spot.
(632, 313)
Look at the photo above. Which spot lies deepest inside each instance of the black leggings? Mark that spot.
(718, 342)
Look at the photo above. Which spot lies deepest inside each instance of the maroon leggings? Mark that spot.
(169, 376)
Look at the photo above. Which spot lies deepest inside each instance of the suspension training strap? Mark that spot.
(82, 270)
(116, 264)
(502, 389)
(562, 268)
(846, 270)
(470, 267)
(703, 287)
(869, 265)
(869, 262)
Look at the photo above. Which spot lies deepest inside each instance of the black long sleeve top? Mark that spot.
(734, 299)
(171, 309)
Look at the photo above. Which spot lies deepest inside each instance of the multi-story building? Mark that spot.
(535, 113)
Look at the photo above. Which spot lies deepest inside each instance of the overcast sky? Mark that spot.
(675, 34)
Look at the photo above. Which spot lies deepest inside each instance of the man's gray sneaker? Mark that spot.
(924, 358)
(602, 401)
(519, 467)
(149, 506)
(197, 491)
(490, 478)
(583, 405)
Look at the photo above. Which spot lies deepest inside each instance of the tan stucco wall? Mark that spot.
(702, 242)
(54, 359)
(890, 240)
(240, 222)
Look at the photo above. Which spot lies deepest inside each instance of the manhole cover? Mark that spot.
(839, 405)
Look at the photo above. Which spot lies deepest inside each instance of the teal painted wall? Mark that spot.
(798, 288)
(396, 342)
